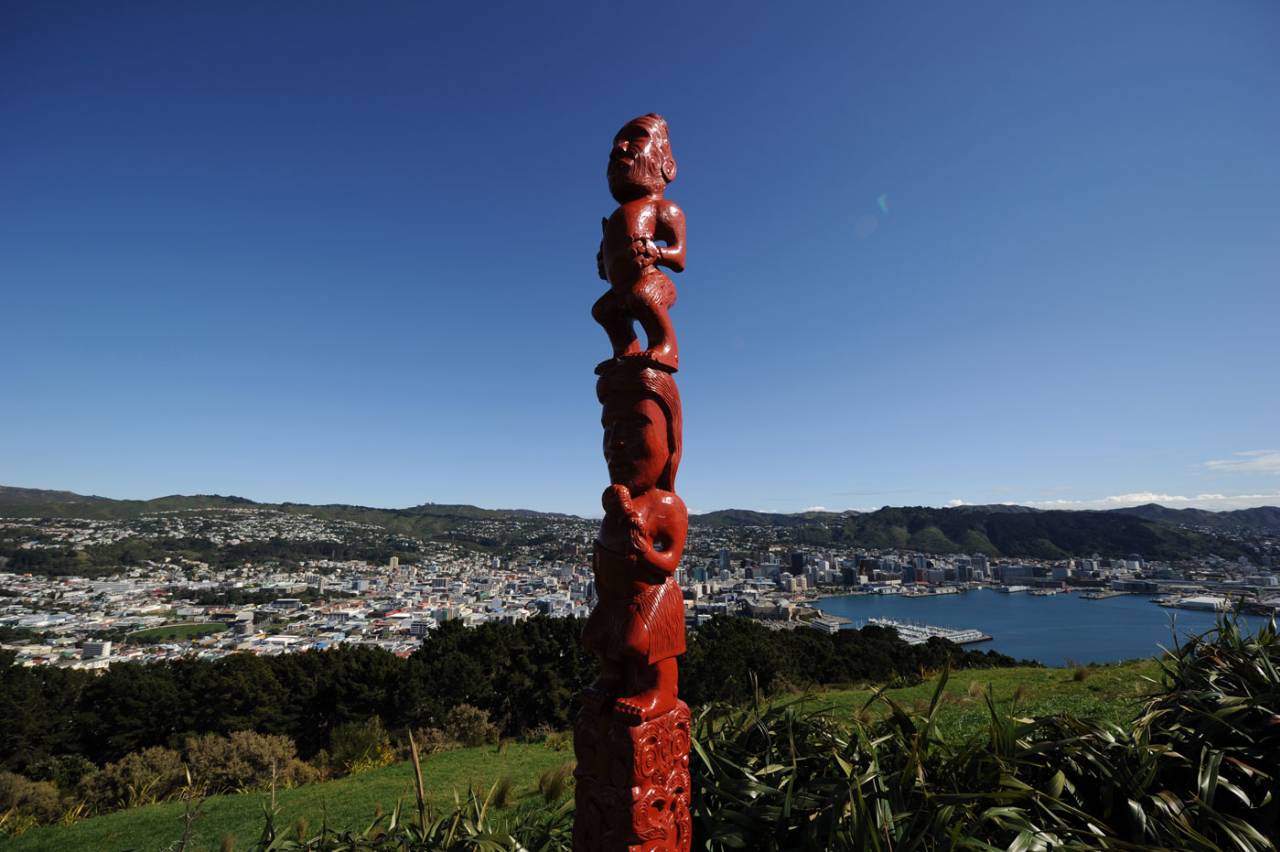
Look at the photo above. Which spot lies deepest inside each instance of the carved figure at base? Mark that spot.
(637, 626)
(644, 233)
(633, 785)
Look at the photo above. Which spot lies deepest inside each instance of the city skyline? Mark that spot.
(981, 255)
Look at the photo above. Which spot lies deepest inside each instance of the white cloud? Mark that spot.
(1216, 502)
(951, 504)
(1251, 461)
(816, 509)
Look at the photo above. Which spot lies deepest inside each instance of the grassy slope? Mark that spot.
(350, 802)
(1111, 693)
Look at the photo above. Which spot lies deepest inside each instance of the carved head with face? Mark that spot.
(642, 427)
(641, 163)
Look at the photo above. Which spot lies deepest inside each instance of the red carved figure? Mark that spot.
(637, 628)
(644, 233)
(632, 737)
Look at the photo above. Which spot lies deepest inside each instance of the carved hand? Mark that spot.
(639, 534)
(645, 252)
(617, 499)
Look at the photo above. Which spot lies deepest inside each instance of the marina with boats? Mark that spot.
(917, 634)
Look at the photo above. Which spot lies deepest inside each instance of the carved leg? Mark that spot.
(618, 324)
(658, 330)
(654, 701)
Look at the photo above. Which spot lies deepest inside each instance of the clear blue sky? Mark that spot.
(937, 252)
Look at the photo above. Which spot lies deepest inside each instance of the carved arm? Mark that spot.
(670, 228)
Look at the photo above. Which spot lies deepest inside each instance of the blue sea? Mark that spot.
(1056, 630)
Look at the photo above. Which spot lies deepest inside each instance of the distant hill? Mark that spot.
(997, 509)
(1152, 531)
(427, 520)
(38, 503)
(995, 531)
(1264, 519)
(10, 494)
(749, 518)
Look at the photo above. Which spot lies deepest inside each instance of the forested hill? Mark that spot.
(1264, 519)
(426, 518)
(1010, 531)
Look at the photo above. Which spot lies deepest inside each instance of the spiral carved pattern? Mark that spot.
(633, 783)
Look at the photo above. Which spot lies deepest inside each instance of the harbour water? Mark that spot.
(1055, 629)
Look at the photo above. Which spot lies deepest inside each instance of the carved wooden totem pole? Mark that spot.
(632, 737)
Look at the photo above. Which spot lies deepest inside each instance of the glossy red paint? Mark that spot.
(632, 736)
(645, 232)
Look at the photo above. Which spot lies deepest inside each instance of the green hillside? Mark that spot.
(1026, 534)
(1109, 693)
(349, 802)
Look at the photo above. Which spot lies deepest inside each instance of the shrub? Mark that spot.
(13, 823)
(470, 726)
(536, 734)
(559, 741)
(430, 741)
(244, 761)
(66, 771)
(151, 775)
(36, 801)
(360, 746)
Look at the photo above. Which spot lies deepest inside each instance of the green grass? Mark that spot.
(176, 632)
(349, 802)
(1111, 693)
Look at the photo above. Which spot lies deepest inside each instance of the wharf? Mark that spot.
(1103, 595)
(918, 634)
